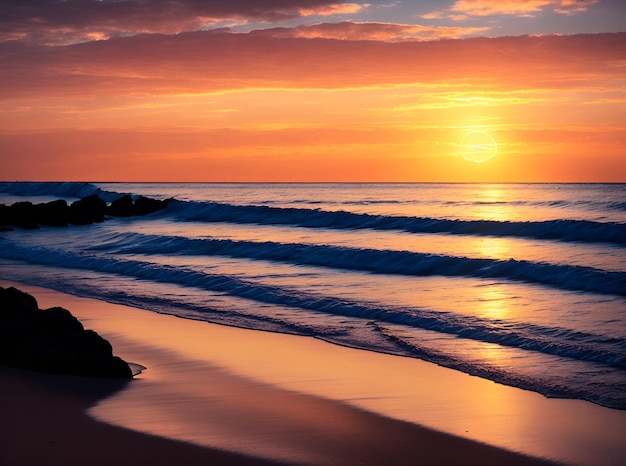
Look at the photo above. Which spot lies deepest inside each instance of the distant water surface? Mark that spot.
(523, 284)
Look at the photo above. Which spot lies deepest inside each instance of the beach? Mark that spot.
(313, 232)
(218, 395)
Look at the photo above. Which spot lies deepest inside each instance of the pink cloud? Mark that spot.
(573, 6)
(63, 22)
(214, 61)
(335, 9)
(510, 7)
(347, 30)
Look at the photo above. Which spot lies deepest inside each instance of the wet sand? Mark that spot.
(220, 395)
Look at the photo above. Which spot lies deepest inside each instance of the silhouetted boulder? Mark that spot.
(145, 205)
(81, 353)
(54, 213)
(87, 210)
(52, 340)
(21, 214)
(4, 215)
(121, 207)
(57, 320)
(14, 301)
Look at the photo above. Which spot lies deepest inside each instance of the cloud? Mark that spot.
(213, 61)
(462, 8)
(68, 21)
(573, 6)
(334, 9)
(348, 30)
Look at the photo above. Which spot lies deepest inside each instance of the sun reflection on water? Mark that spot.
(490, 204)
(491, 303)
(495, 248)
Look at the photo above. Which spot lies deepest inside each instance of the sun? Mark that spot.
(478, 146)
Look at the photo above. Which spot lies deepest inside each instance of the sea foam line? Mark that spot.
(557, 341)
(567, 277)
(71, 189)
(562, 230)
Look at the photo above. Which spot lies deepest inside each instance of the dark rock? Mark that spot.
(57, 320)
(55, 213)
(15, 301)
(145, 205)
(121, 207)
(23, 215)
(52, 340)
(77, 353)
(4, 215)
(87, 210)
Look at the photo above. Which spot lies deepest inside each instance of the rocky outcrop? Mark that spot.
(85, 211)
(52, 340)
(122, 207)
(90, 209)
(145, 205)
(21, 214)
(55, 213)
(125, 207)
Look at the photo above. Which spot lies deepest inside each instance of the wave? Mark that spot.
(569, 277)
(367, 334)
(556, 389)
(70, 189)
(556, 341)
(557, 203)
(562, 230)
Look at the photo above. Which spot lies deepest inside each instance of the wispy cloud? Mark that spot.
(462, 9)
(63, 22)
(334, 9)
(348, 30)
(206, 61)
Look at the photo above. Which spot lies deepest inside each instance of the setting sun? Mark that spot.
(478, 146)
(339, 92)
(313, 232)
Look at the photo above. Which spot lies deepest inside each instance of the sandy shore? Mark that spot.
(219, 395)
(44, 421)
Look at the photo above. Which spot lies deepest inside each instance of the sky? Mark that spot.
(313, 90)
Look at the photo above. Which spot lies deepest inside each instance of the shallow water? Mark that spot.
(523, 284)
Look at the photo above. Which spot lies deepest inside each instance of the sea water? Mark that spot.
(522, 284)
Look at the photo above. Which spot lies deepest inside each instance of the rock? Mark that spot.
(145, 205)
(4, 215)
(54, 213)
(56, 320)
(121, 207)
(15, 301)
(87, 210)
(22, 214)
(52, 340)
(80, 353)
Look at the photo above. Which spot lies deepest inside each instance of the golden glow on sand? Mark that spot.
(478, 146)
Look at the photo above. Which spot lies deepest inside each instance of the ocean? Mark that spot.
(522, 284)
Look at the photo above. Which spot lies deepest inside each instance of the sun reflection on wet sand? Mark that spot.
(199, 373)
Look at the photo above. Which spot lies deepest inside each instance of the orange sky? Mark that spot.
(310, 91)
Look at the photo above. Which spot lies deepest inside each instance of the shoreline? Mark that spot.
(306, 401)
(45, 422)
